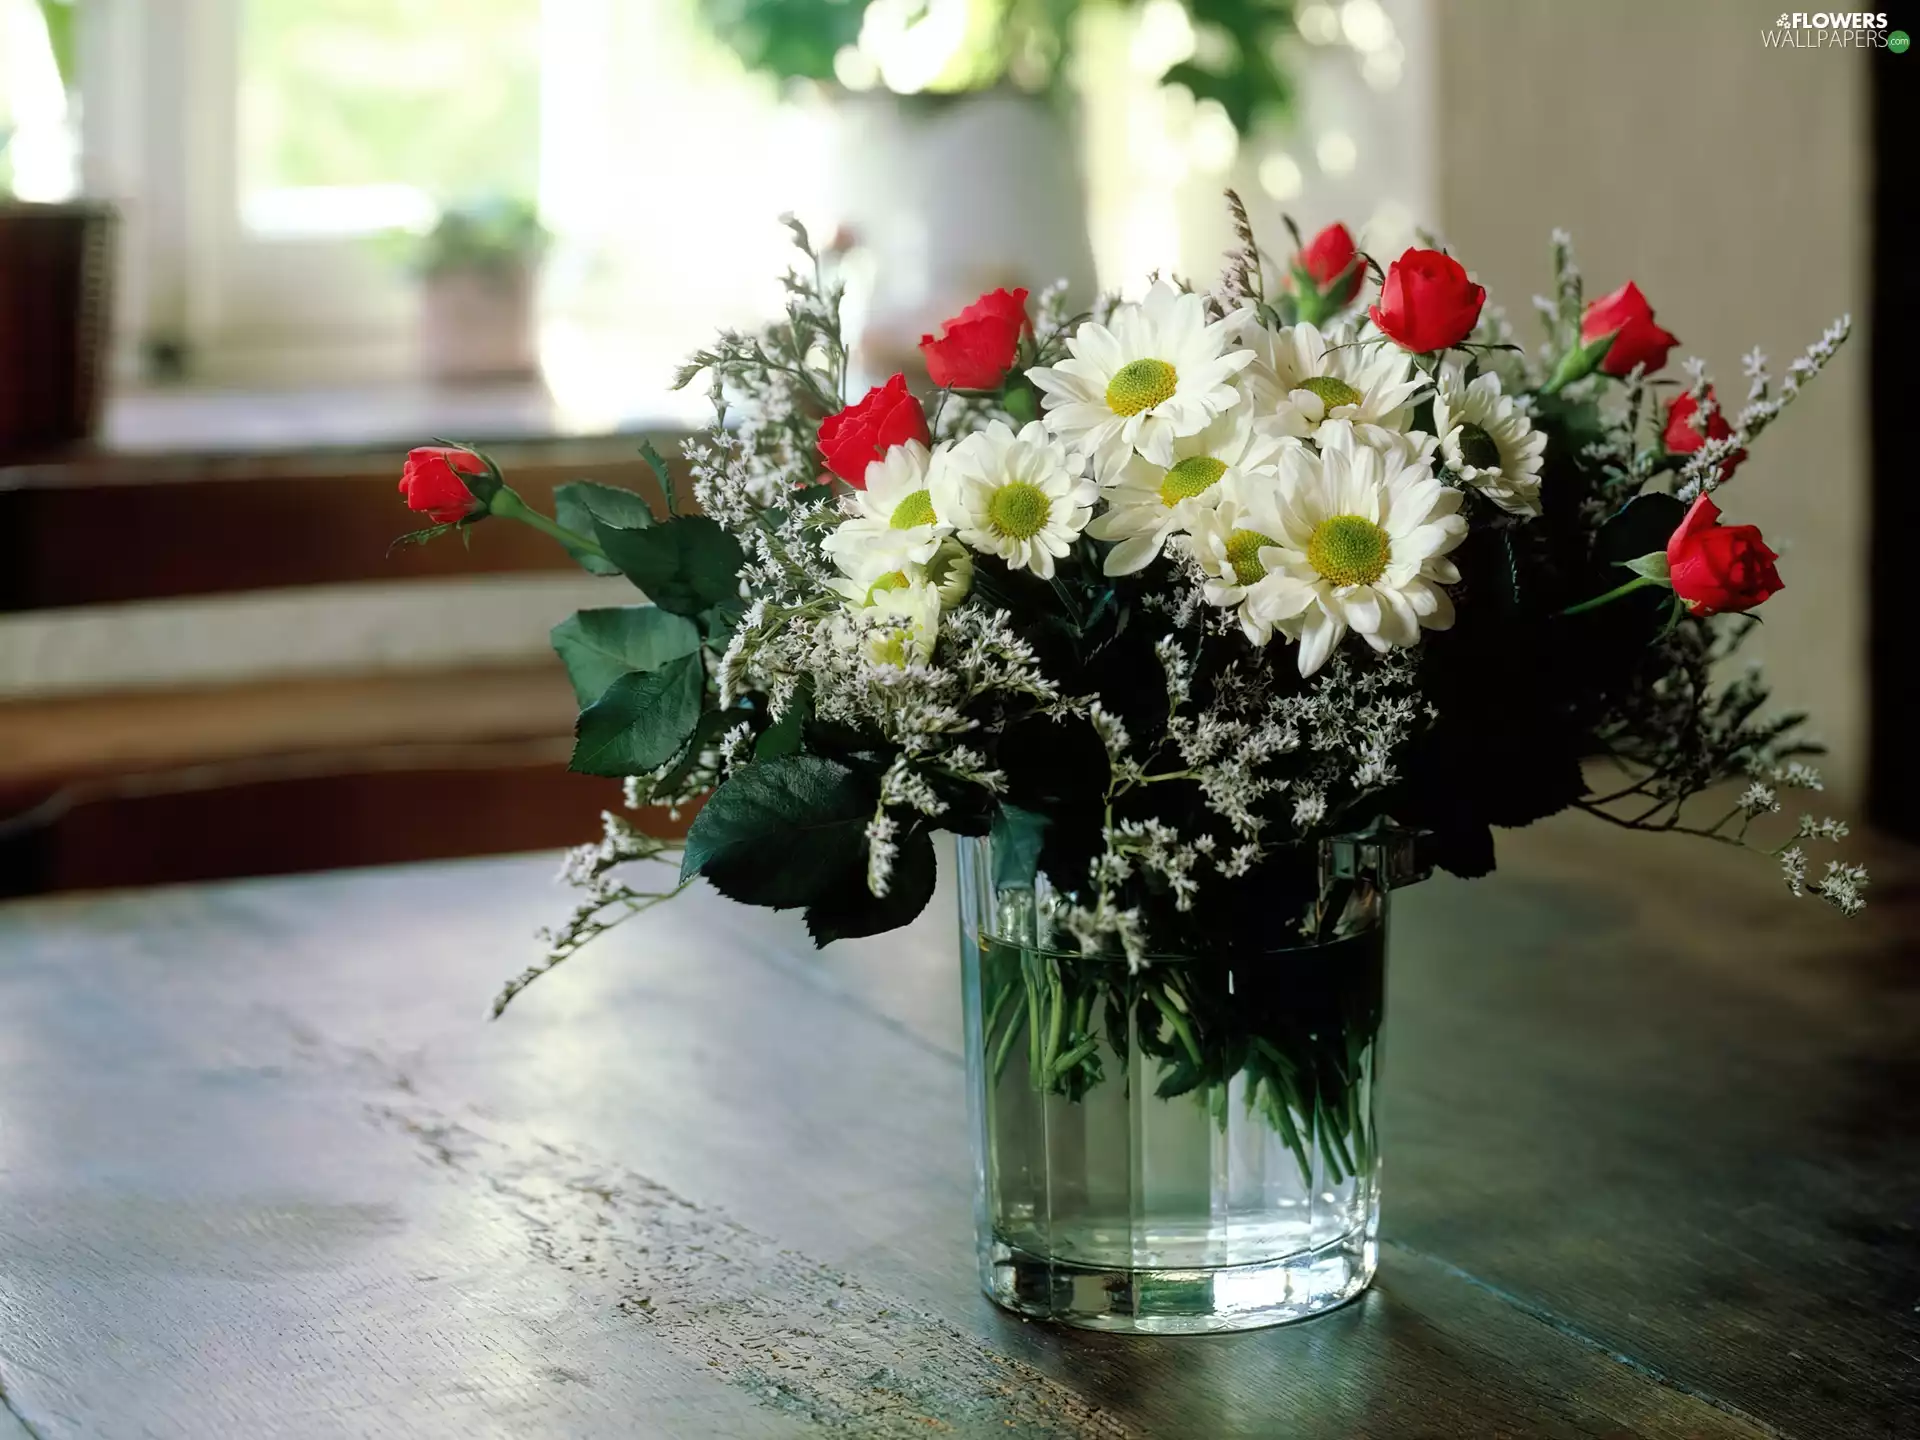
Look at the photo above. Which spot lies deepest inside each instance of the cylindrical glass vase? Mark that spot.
(1184, 1145)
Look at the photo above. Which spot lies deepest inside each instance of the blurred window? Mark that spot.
(364, 115)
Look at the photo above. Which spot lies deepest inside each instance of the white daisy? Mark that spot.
(1226, 541)
(1360, 543)
(1488, 440)
(891, 522)
(1161, 372)
(1302, 378)
(1147, 504)
(949, 572)
(897, 623)
(1021, 497)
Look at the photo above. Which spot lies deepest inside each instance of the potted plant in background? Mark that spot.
(56, 265)
(956, 163)
(1201, 625)
(479, 271)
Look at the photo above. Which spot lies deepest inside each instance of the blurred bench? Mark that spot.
(105, 783)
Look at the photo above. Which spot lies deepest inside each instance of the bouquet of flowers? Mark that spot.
(1163, 596)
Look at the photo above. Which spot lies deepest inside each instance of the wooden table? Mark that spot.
(1653, 1140)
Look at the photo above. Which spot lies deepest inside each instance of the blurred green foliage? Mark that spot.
(443, 95)
(1238, 59)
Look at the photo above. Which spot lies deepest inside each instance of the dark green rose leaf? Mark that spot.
(686, 565)
(599, 646)
(783, 737)
(783, 832)
(642, 720)
(578, 504)
(1641, 526)
(851, 911)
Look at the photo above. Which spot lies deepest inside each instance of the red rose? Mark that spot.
(432, 484)
(977, 346)
(861, 434)
(1717, 567)
(1427, 302)
(1327, 257)
(1626, 316)
(1683, 438)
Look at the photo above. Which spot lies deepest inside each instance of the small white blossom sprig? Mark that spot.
(1251, 741)
(603, 901)
(1702, 471)
(1840, 886)
(770, 390)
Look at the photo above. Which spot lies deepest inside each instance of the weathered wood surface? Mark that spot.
(1653, 1169)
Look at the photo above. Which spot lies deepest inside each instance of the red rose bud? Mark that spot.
(862, 433)
(1716, 568)
(432, 485)
(1332, 262)
(1626, 316)
(1427, 302)
(977, 347)
(1683, 436)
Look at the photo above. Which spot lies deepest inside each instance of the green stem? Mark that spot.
(1639, 582)
(509, 506)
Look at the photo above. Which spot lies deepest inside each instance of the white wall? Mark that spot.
(1731, 181)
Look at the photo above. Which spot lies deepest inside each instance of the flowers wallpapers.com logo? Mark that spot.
(1830, 29)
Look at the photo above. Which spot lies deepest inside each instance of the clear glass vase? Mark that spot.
(1183, 1146)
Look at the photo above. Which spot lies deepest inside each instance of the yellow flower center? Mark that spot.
(1477, 448)
(1243, 553)
(1349, 550)
(1019, 509)
(1140, 385)
(1189, 478)
(916, 509)
(1331, 390)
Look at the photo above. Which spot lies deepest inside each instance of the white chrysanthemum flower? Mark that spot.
(1160, 372)
(949, 572)
(1226, 541)
(1302, 378)
(892, 523)
(1148, 504)
(897, 624)
(1021, 497)
(1352, 539)
(1488, 440)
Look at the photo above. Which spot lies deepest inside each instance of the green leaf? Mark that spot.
(599, 646)
(686, 565)
(1017, 837)
(783, 832)
(1641, 526)
(783, 737)
(641, 722)
(851, 910)
(578, 504)
(657, 463)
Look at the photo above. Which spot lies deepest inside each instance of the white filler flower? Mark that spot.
(1359, 542)
(892, 524)
(1161, 372)
(1303, 378)
(1021, 497)
(1148, 504)
(1488, 440)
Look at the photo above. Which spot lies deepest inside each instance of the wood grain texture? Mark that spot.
(264, 1170)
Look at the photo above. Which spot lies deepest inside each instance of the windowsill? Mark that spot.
(166, 432)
